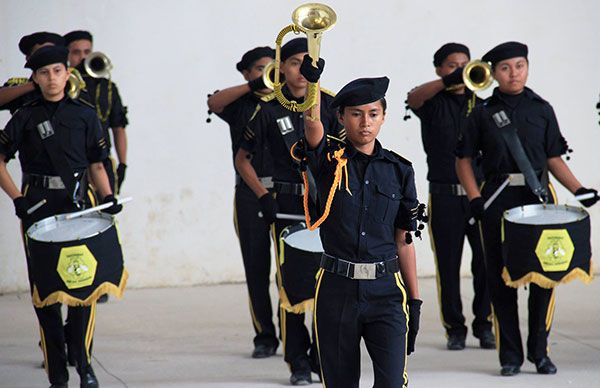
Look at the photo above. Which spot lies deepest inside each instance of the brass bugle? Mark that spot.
(98, 65)
(75, 83)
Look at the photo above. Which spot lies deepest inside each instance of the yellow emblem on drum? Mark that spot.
(76, 266)
(555, 250)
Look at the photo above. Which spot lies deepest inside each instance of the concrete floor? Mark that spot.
(201, 337)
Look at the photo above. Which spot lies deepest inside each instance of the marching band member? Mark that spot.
(236, 105)
(18, 91)
(78, 141)
(367, 286)
(441, 112)
(279, 129)
(513, 103)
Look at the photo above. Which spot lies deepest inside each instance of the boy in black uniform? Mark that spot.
(367, 287)
(104, 95)
(236, 105)
(18, 91)
(442, 105)
(80, 138)
(279, 128)
(513, 104)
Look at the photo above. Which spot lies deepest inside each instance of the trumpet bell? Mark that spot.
(477, 75)
(268, 79)
(75, 84)
(98, 65)
(314, 18)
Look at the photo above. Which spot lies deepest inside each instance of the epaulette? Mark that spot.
(400, 158)
(335, 140)
(86, 103)
(256, 110)
(268, 97)
(328, 92)
(14, 81)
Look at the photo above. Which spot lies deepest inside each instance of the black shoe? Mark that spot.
(88, 378)
(455, 342)
(62, 385)
(487, 340)
(510, 370)
(264, 351)
(544, 365)
(301, 377)
(102, 299)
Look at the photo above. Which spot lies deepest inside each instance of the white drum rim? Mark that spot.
(61, 217)
(288, 234)
(514, 214)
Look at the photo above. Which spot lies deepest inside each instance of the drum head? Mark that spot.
(57, 229)
(545, 214)
(305, 240)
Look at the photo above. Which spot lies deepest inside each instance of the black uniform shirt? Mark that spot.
(237, 115)
(264, 128)
(361, 226)
(536, 125)
(441, 119)
(117, 113)
(74, 123)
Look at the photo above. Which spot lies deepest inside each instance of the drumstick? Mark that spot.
(36, 206)
(96, 208)
(492, 198)
(285, 216)
(583, 197)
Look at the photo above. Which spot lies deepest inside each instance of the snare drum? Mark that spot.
(300, 257)
(74, 261)
(546, 245)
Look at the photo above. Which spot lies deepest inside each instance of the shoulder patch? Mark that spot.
(268, 97)
(400, 158)
(328, 92)
(14, 81)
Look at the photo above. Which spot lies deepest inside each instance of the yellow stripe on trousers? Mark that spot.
(319, 279)
(405, 309)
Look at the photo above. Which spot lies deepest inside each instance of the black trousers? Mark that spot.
(448, 226)
(504, 298)
(347, 310)
(80, 329)
(299, 349)
(254, 237)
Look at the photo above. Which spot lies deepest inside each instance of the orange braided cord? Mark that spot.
(337, 181)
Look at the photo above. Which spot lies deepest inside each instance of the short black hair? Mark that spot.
(382, 100)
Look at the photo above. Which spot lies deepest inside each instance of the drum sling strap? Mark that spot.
(509, 134)
(291, 137)
(59, 161)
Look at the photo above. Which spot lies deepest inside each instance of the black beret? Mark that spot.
(504, 51)
(77, 35)
(28, 41)
(293, 47)
(447, 49)
(47, 55)
(253, 55)
(361, 91)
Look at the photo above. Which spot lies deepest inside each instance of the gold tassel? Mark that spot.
(545, 282)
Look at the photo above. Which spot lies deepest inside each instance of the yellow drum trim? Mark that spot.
(69, 300)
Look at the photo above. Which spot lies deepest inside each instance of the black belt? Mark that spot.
(446, 189)
(288, 188)
(360, 271)
(45, 181)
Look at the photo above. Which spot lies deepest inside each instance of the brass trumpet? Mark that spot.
(75, 83)
(477, 75)
(98, 65)
(312, 19)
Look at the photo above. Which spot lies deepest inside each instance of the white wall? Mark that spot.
(169, 55)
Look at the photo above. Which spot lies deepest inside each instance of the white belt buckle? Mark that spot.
(364, 271)
(55, 183)
(517, 179)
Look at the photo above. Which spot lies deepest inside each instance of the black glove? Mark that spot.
(257, 84)
(115, 208)
(268, 206)
(590, 201)
(414, 314)
(21, 206)
(454, 78)
(308, 71)
(477, 209)
(120, 175)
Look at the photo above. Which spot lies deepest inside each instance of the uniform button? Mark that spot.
(300, 116)
(366, 208)
(367, 182)
(393, 195)
(362, 233)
